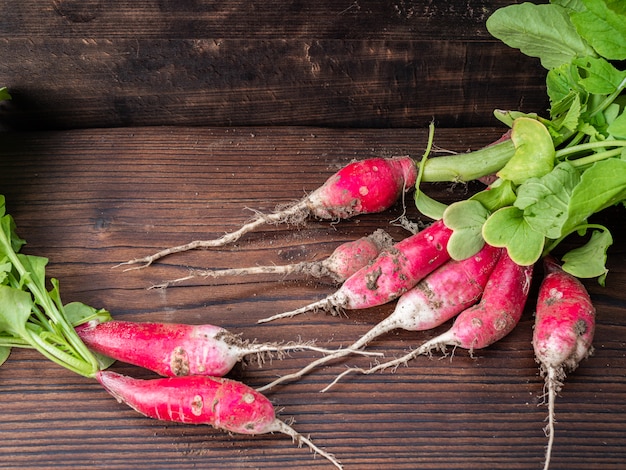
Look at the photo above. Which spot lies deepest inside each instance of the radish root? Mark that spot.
(424, 349)
(296, 212)
(284, 428)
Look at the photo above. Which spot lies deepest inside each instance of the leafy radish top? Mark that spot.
(565, 167)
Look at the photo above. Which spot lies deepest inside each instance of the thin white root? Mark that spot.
(322, 360)
(325, 304)
(424, 349)
(293, 212)
(284, 428)
(355, 348)
(215, 273)
(342, 375)
(553, 383)
(264, 349)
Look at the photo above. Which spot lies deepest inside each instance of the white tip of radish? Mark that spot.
(282, 427)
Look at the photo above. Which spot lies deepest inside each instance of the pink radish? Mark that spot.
(362, 187)
(222, 403)
(344, 261)
(393, 272)
(564, 328)
(171, 349)
(437, 298)
(481, 325)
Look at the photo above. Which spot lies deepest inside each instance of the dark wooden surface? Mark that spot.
(352, 63)
(89, 199)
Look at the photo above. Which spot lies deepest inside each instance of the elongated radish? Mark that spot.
(361, 187)
(344, 261)
(171, 349)
(481, 325)
(563, 333)
(393, 272)
(438, 297)
(222, 403)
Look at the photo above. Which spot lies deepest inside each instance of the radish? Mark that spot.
(564, 328)
(481, 325)
(171, 349)
(344, 261)
(362, 187)
(393, 272)
(440, 296)
(222, 403)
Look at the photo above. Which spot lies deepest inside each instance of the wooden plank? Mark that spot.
(361, 64)
(88, 199)
(256, 19)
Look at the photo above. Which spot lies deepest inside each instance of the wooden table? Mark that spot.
(89, 199)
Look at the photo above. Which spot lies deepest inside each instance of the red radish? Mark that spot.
(394, 272)
(344, 261)
(564, 328)
(481, 325)
(437, 298)
(171, 349)
(362, 187)
(222, 403)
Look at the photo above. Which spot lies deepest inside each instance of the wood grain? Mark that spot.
(82, 64)
(89, 199)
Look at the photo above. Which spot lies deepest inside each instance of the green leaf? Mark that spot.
(78, 313)
(4, 94)
(35, 267)
(543, 31)
(15, 308)
(545, 201)
(569, 117)
(508, 117)
(603, 25)
(12, 243)
(617, 128)
(601, 186)
(428, 206)
(496, 196)
(466, 219)
(589, 260)
(562, 84)
(4, 354)
(506, 228)
(534, 151)
(600, 76)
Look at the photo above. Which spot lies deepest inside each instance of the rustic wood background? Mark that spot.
(137, 125)
(89, 199)
(329, 63)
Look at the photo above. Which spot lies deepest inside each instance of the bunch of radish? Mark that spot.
(459, 268)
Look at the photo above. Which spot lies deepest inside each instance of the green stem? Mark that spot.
(82, 361)
(425, 204)
(60, 357)
(469, 166)
(609, 99)
(566, 152)
(554, 243)
(596, 157)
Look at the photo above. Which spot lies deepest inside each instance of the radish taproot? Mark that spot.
(479, 326)
(394, 272)
(361, 187)
(344, 261)
(222, 403)
(172, 349)
(563, 332)
(438, 297)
